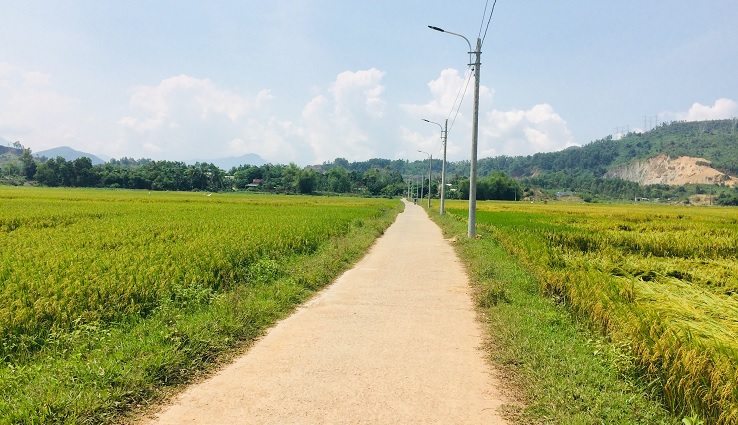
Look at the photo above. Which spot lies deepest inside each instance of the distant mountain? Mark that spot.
(226, 164)
(68, 154)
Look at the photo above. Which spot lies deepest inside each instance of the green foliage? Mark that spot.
(178, 176)
(130, 174)
(28, 164)
(307, 181)
(339, 180)
(693, 420)
(497, 186)
(728, 199)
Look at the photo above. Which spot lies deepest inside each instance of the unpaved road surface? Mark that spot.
(393, 341)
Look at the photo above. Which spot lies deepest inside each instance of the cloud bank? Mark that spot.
(32, 110)
(521, 132)
(501, 132)
(184, 118)
(340, 122)
(194, 118)
(722, 109)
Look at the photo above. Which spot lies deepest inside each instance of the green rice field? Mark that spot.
(660, 281)
(109, 297)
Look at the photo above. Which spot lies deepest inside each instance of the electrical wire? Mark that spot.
(466, 86)
(484, 14)
(458, 93)
(469, 75)
(490, 18)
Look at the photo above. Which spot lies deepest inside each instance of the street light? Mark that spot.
(444, 136)
(475, 131)
(430, 162)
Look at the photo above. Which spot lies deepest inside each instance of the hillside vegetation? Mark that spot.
(588, 170)
(714, 141)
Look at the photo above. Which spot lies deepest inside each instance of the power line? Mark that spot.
(457, 98)
(486, 3)
(458, 108)
(466, 86)
(489, 20)
(469, 67)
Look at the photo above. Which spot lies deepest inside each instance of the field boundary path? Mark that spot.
(394, 340)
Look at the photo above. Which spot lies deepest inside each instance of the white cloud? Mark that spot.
(722, 109)
(511, 132)
(33, 111)
(185, 98)
(413, 141)
(524, 132)
(446, 92)
(190, 118)
(354, 91)
(342, 122)
(185, 117)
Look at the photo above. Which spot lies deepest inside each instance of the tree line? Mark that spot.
(578, 170)
(375, 177)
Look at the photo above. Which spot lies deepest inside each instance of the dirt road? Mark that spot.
(392, 341)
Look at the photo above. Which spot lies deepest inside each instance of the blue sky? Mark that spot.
(309, 81)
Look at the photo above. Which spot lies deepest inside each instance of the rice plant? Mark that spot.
(660, 280)
(108, 295)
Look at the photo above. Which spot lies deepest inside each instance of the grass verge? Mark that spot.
(100, 373)
(560, 370)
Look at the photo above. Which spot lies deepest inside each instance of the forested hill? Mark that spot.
(715, 141)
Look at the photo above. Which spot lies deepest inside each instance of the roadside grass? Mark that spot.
(113, 372)
(560, 370)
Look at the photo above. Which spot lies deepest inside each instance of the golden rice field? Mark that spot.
(660, 280)
(123, 290)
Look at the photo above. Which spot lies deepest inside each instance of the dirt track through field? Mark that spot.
(393, 341)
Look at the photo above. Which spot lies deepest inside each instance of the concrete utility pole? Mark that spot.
(475, 131)
(422, 182)
(430, 162)
(444, 137)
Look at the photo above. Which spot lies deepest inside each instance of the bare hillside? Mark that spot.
(672, 171)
